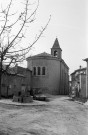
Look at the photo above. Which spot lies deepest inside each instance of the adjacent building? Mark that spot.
(86, 77)
(50, 73)
(78, 82)
(15, 80)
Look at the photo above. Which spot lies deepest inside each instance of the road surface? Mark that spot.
(60, 116)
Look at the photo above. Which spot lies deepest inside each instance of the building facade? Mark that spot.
(50, 73)
(15, 81)
(78, 82)
(86, 78)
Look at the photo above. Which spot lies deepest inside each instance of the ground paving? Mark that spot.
(60, 116)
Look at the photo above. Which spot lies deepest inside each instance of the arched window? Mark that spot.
(39, 70)
(55, 53)
(43, 70)
(34, 70)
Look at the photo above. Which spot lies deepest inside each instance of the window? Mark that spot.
(84, 72)
(34, 70)
(55, 53)
(3, 85)
(43, 70)
(39, 70)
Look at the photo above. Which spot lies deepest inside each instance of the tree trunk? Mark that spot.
(1, 76)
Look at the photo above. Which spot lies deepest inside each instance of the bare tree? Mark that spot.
(10, 51)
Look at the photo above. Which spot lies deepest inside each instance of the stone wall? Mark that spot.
(87, 80)
(56, 79)
(49, 82)
(14, 83)
(83, 86)
(64, 79)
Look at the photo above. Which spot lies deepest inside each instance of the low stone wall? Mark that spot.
(24, 99)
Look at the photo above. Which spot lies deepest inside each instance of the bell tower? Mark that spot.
(56, 50)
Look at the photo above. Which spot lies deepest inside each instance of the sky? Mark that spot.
(69, 23)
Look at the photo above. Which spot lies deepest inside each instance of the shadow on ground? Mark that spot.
(81, 100)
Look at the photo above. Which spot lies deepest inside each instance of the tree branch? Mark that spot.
(6, 17)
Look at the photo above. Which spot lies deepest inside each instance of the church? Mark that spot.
(50, 73)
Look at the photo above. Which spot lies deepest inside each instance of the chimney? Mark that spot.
(80, 67)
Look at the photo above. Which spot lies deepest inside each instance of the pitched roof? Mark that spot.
(56, 44)
(86, 59)
(44, 54)
(17, 71)
(82, 69)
